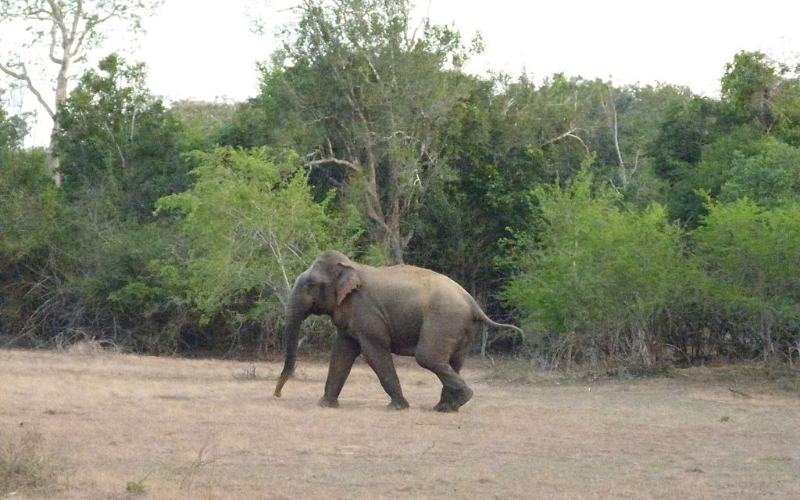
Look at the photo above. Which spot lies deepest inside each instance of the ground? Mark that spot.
(97, 425)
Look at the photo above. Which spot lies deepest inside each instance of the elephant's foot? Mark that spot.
(451, 401)
(398, 404)
(445, 407)
(465, 396)
(328, 403)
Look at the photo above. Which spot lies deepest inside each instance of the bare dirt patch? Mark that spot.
(123, 426)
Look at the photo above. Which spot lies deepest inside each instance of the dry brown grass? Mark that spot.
(25, 466)
(141, 427)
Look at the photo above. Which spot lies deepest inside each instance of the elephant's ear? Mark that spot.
(347, 283)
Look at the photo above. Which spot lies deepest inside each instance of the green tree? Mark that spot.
(711, 172)
(510, 135)
(203, 124)
(764, 92)
(635, 115)
(686, 127)
(362, 94)
(704, 143)
(118, 142)
(769, 177)
(732, 145)
(506, 137)
(12, 131)
(253, 124)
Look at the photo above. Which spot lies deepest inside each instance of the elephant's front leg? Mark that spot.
(345, 351)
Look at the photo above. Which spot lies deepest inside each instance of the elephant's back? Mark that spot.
(415, 288)
(435, 290)
(408, 282)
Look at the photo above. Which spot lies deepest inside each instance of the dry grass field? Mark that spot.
(96, 425)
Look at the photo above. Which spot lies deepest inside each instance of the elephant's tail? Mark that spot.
(481, 316)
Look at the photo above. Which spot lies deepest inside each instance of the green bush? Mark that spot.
(250, 226)
(601, 276)
(31, 207)
(751, 257)
(34, 236)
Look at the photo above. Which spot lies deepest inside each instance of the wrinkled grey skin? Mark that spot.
(378, 312)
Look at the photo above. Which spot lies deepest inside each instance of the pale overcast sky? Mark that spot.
(206, 50)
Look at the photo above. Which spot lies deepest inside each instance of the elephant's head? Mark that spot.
(319, 290)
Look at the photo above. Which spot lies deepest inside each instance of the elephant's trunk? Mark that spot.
(293, 322)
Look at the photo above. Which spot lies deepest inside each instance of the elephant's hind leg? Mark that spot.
(455, 392)
(450, 399)
(435, 357)
(458, 358)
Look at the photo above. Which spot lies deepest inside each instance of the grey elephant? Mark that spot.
(380, 311)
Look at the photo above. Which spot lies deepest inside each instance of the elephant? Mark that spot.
(380, 311)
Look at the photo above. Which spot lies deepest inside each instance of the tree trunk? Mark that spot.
(384, 230)
(61, 98)
(394, 243)
(52, 160)
(388, 236)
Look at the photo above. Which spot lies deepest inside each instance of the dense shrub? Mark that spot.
(34, 240)
(250, 226)
(751, 258)
(600, 278)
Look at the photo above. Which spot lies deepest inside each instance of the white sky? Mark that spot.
(205, 50)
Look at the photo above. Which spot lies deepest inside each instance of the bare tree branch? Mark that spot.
(116, 145)
(569, 133)
(636, 162)
(410, 42)
(616, 126)
(25, 78)
(76, 20)
(91, 25)
(372, 69)
(53, 43)
(57, 16)
(336, 161)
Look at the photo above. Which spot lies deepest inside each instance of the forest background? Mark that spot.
(623, 225)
